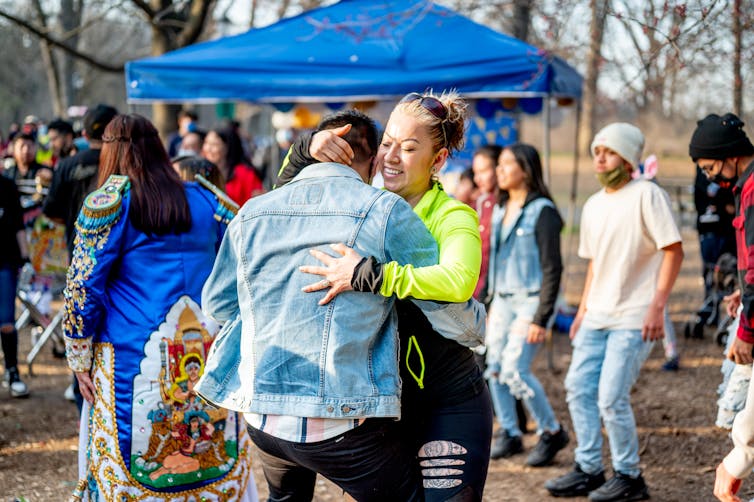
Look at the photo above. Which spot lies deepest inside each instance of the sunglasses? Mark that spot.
(433, 106)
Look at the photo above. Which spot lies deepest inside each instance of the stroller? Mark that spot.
(722, 279)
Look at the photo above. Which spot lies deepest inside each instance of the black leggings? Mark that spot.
(453, 444)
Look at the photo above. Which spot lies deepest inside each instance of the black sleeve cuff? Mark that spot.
(367, 276)
(298, 159)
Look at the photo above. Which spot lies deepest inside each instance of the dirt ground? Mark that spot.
(680, 447)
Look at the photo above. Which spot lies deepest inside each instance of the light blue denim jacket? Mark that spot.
(285, 354)
(514, 259)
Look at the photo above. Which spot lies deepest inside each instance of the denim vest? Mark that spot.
(514, 255)
(286, 355)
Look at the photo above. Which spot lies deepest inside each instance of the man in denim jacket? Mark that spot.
(320, 385)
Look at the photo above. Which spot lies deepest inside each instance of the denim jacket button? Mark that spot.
(345, 409)
(330, 409)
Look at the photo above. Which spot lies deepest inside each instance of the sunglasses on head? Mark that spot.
(433, 106)
(429, 103)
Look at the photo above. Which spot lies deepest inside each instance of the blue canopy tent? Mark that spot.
(354, 50)
(357, 50)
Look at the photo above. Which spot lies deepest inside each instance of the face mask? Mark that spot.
(614, 178)
(724, 181)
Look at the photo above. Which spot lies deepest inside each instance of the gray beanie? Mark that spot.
(717, 137)
(624, 139)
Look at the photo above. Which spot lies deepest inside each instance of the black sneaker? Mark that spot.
(548, 446)
(13, 380)
(621, 487)
(671, 364)
(504, 445)
(576, 483)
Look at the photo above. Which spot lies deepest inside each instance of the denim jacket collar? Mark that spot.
(325, 169)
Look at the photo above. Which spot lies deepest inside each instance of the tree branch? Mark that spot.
(196, 20)
(144, 6)
(34, 30)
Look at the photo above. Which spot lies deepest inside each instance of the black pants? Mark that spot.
(453, 445)
(368, 462)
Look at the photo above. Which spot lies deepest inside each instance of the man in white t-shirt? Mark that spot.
(634, 250)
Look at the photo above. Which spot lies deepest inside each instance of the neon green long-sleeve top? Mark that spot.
(455, 227)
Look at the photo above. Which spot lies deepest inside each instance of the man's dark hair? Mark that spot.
(363, 136)
(60, 125)
(363, 139)
(188, 113)
(96, 119)
(25, 137)
(489, 151)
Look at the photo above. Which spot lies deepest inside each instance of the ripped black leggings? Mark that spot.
(453, 444)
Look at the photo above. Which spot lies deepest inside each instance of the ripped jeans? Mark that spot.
(509, 359)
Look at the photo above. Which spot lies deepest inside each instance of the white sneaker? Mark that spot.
(13, 380)
(68, 394)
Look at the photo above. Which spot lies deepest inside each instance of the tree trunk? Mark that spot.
(163, 114)
(594, 58)
(70, 20)
(50, 64)
(252, 13)
(521, 19)
(738, 98)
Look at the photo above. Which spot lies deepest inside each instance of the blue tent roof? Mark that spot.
(355, 49)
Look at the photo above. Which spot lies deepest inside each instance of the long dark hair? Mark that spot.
(235, 154)
(527, 158)
(131, 146)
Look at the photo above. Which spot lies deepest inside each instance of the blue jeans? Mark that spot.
(8, 284)
(604, 366)
(8, 335)
(509, 359)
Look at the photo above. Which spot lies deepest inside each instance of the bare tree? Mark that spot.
(588, 126)
(666, 39)
(173, 24)
(738, 99)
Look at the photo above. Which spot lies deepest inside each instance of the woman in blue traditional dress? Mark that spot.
(136, 336)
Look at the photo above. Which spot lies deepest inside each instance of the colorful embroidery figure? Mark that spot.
(136, 337)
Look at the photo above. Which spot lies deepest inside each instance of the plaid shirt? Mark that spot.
(744, 225)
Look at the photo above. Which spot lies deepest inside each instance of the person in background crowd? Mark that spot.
(223, 147)
(188, 167)
(25, 166)
(466, 190)
(60, 136)
(634, 249)
(715, 209)
(191, 144)
(483, 165)
(13, 254)
(186, 124)
(524, 282)
(76, 177)
(145, 244)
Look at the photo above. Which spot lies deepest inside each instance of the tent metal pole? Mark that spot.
(546, 136)
(570, 242)
(571, 229)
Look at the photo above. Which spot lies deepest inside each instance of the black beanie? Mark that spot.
(719, 137)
